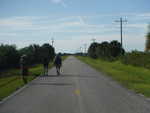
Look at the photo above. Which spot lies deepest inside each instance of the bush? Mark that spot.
(137, 58)
(106, 50)
(9, 56)
(32, 52)
(92, 50)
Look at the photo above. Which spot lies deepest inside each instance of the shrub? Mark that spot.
(106, 50)
(137, 58)
(9, 56)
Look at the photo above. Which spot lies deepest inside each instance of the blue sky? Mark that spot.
(73, 23)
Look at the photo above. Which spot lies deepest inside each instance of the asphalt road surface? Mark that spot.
(80, 89)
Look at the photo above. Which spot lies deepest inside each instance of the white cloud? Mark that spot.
(14, 23)
(81, 20)
(68, 24)
(56, 1)
(73, 30)
(137, 26)
(61, 2)
(8, 34)
(144, 15)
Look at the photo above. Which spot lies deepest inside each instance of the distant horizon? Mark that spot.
(78, 51)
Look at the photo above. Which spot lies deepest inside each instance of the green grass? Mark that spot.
(64, 57)
(11, 83)
(135, 78)
(12, 86)
(5, 80)
(11, 80)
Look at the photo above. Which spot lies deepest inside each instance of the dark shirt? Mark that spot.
(58, 60)
(45, 62)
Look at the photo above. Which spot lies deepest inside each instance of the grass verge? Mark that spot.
(135, 78)
(9, 83)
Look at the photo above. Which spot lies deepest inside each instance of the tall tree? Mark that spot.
(116, 48)
(147, 44)
(47, 51)
(103, 49)
(92, 50)
(32, 52)
(9, 56)
(106, 50)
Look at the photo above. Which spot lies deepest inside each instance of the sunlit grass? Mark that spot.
(12, 86)
(12, 80)
(135, 78)
(11, 83)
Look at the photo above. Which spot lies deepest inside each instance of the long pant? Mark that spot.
(24, 72)
(24, 78)
(45, 70)
(58, 70)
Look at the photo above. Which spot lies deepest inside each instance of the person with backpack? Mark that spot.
(58, 63)
(45, 65)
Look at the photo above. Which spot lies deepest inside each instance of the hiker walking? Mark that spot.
(24, 68)
(45, 65)
(58, 63)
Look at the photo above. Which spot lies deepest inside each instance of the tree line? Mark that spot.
(114, 51)
(105, 50)
(10, 55)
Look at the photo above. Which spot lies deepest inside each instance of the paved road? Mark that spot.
(80, 89)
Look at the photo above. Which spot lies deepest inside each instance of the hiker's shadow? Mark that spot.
(60, 83)
(49, 75)
(51, 83)
(69, 75)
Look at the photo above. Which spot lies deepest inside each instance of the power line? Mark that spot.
(121, 22)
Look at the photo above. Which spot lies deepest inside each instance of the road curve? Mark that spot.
(80, 89)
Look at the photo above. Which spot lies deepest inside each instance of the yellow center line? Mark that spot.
(77, 92)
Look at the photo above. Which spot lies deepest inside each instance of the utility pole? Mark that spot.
(93, 39)
(81, 49)
(121, 22)
(85, 45)
(52, 41)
